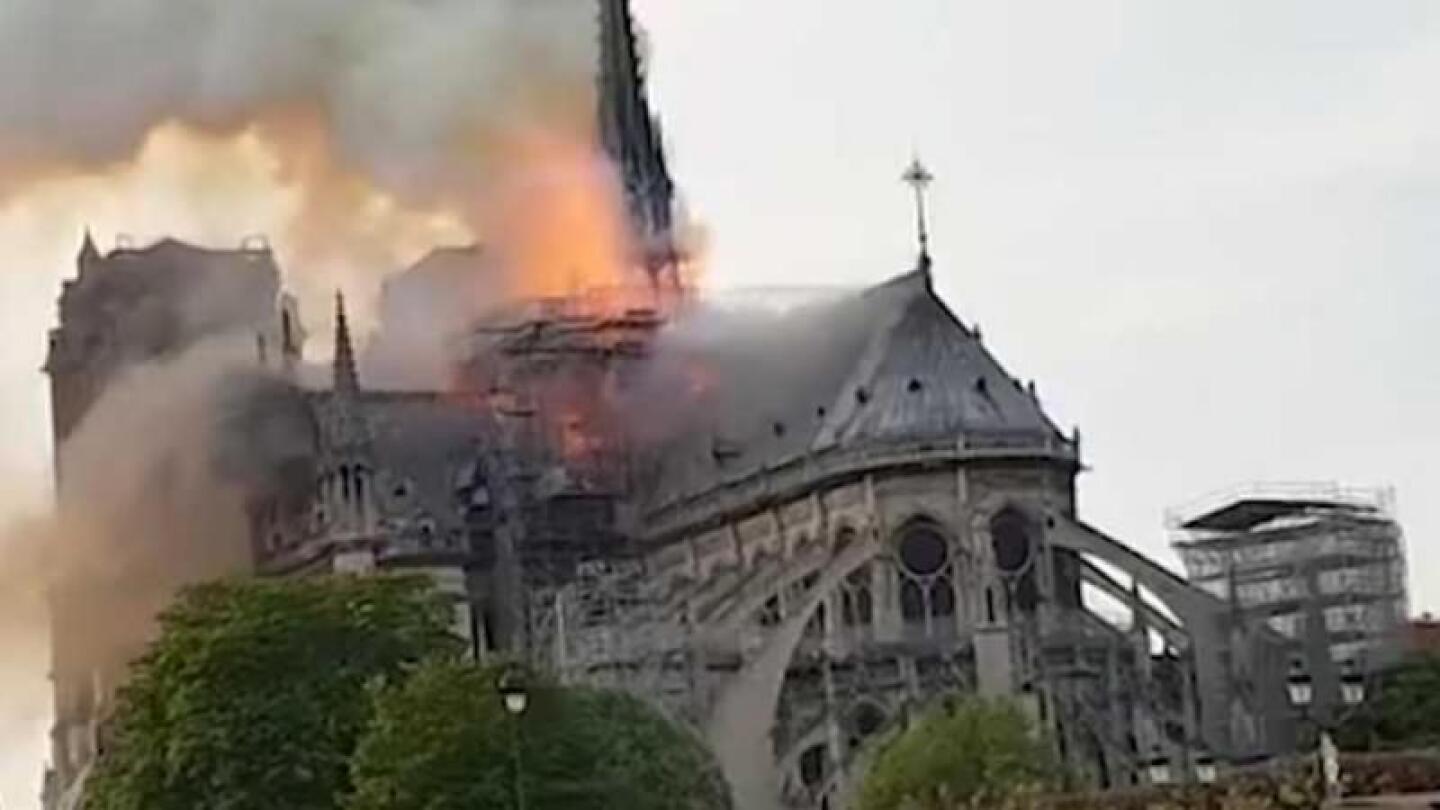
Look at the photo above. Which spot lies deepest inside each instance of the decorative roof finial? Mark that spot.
(346, 379)
(919, 178)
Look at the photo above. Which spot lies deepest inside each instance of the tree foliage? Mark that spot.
(443, 741)
(964, 751)
(1403, 709)
(255, 694)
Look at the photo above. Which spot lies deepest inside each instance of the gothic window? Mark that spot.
(942, 598)
(812, 766)
(926, 580)
(1010, 539)
(912, 601)
(857, 605)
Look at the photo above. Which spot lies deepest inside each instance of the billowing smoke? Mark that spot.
(357, 135)
(157, 478)
(358, 132)
(398, 87)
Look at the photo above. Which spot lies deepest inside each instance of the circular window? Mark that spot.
(867, 719)
(923, 551)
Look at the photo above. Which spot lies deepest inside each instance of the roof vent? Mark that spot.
(915, 386)
(982, 386)
(862, 396)
(821, 413)
(779, 429)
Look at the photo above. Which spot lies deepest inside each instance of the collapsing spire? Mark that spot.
(346, 380)
(630, 135)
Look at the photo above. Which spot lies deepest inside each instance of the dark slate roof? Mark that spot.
(889, 365)
(431, 442)
(1247, 514)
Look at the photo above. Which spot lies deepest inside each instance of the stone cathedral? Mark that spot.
(791, 532)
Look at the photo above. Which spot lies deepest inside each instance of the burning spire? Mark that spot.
(630, 135)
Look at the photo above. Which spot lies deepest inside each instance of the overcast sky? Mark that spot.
(1209, 230)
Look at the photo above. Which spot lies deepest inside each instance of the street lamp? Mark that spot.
(511, 687)
(515, 696)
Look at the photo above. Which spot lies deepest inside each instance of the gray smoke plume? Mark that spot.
(154, 498)
(401, 87)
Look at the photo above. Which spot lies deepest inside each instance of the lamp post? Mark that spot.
(513, 692)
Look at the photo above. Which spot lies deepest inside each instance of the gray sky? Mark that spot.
(1210, 230)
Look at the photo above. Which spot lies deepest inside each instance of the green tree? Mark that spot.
(443, 741)
(964, 752)
(1403, 709)
(255, 694)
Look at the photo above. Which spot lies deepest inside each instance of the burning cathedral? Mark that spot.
(789, 532)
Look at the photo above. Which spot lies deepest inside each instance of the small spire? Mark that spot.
(919, 178)
(346, 380)
(89, 254)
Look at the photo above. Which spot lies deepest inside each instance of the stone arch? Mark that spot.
(739, 720)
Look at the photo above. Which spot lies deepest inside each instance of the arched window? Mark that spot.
(1010, 538)
(813, 766)
(912, 601)
(942, 598)
(925, 570)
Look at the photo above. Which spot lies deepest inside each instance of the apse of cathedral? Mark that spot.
(790, 531)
